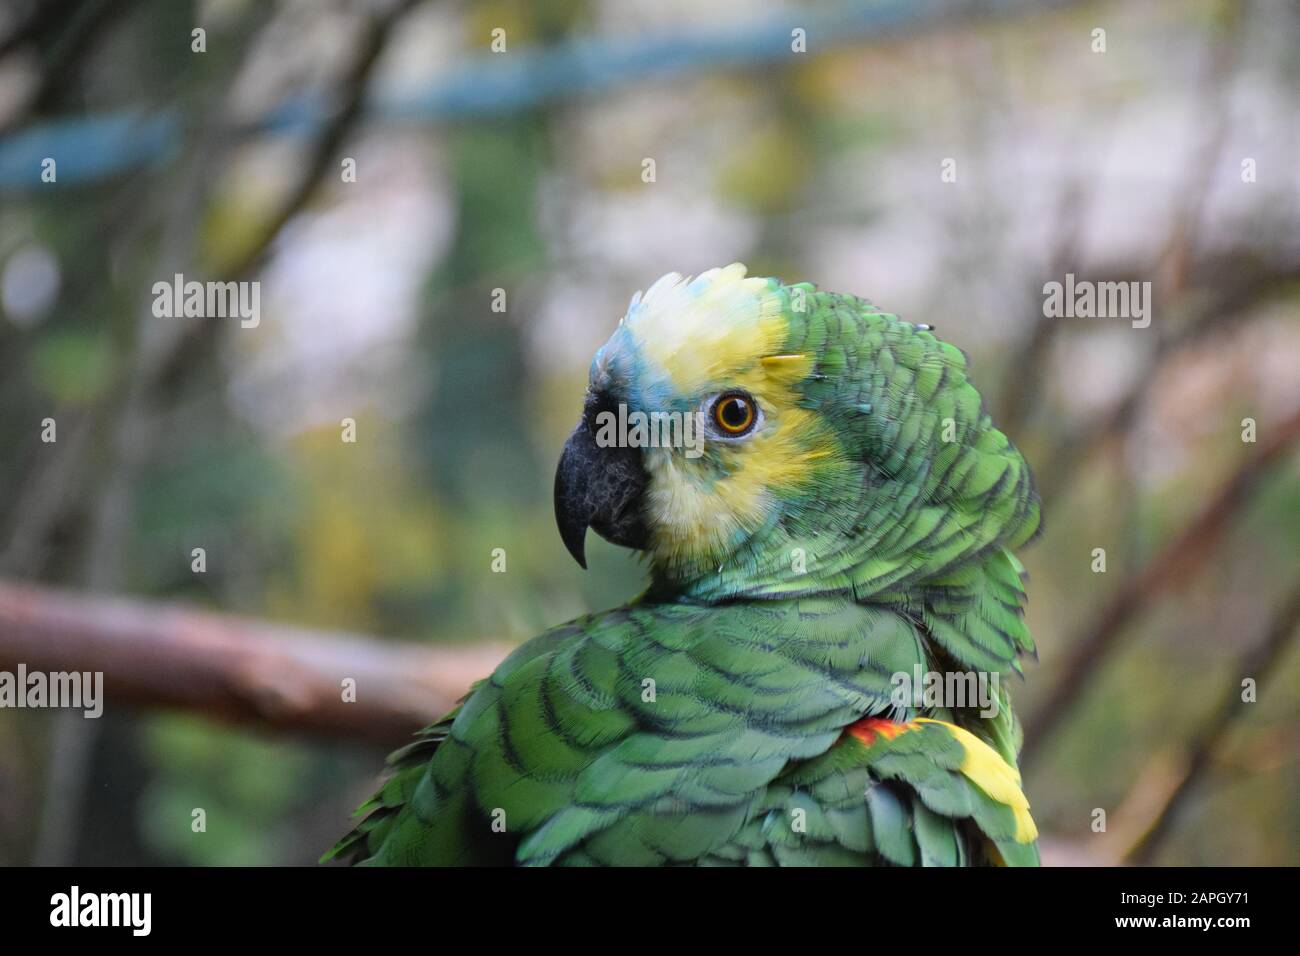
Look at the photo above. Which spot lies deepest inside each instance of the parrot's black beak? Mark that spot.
(600, 488)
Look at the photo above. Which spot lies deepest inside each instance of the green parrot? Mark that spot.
(846, 515)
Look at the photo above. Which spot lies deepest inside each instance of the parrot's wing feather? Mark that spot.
(407, 766)
(682, 734)
(645, 734)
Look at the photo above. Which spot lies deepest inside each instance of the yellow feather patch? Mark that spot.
(695, 521)
(984, 767)
(724, 331)
(774, 363)
(698, 331)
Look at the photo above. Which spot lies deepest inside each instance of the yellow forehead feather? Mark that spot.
(696, 331)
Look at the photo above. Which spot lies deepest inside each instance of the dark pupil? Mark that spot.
(735, 412)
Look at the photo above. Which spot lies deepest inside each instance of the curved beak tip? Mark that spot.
(575, 542)
(571, 513)
(598, 488)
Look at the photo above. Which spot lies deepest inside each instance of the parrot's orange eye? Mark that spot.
(733, 413)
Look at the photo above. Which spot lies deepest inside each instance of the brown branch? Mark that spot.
(1179, 558)
(44, 19)
(351, 97)
(76, 30)
(1258, 664)
(234, 669)
(1237, 288)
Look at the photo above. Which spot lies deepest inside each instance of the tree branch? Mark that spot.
(1258, 664)
(1235, 287)
(1178, 558)
(234, 669)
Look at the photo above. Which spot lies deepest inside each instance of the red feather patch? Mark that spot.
(869, 728)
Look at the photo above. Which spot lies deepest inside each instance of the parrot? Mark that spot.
(849, 514)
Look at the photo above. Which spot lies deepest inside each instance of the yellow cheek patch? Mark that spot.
(692, 522)
(697, 518)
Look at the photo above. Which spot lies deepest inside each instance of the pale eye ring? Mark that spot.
(734, 414)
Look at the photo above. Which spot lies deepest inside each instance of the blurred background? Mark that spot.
(503, 146)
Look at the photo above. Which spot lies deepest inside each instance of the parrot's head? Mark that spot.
(760, 439)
